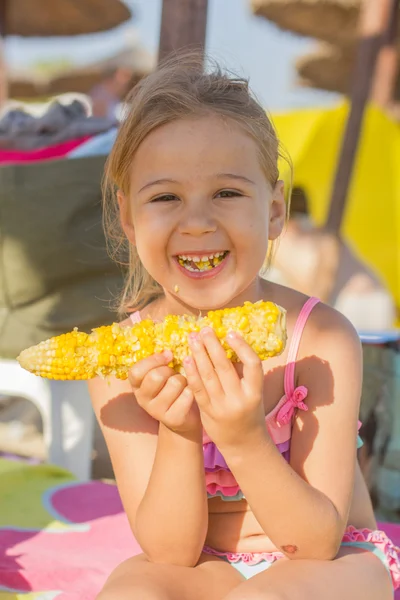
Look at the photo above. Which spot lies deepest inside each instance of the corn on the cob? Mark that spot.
(112, 350)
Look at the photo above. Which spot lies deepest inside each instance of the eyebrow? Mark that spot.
(157, 182)
(218, 176)
(235, 176)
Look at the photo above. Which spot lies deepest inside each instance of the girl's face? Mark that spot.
(201, 211)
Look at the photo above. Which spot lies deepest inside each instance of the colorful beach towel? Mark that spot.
(60, 539)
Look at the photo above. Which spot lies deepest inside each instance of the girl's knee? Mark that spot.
(132, 579)
(145, 590)
(248, 592)
(137, 578)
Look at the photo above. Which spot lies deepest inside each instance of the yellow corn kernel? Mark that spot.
(113, 350)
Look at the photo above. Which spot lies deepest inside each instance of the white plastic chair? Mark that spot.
(66, 411)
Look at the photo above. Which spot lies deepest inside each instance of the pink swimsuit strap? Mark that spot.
(289, 377)
(135, 317)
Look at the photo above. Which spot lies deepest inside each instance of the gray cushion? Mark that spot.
(55, 273)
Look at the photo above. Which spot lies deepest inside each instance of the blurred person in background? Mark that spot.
(107, 95)
(326, 266)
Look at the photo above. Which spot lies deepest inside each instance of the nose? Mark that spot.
(197, 220)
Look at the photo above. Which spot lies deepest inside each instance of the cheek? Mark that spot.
(254, 228)
(252, 238)
(150, 227)
(151, 239)
(252, 247)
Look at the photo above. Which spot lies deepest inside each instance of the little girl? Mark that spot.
(239, 482)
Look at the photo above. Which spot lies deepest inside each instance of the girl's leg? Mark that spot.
(353, 575)
(139, 579)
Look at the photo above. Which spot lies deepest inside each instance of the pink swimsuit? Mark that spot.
(220, 481)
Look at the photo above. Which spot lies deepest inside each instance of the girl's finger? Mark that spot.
(168, 395)
(179, 410)
(141, 368)
(204, 380)
(253, 374)
(224, 368)
(195, 382)
(154, 381)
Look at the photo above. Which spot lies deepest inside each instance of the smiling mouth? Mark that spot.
(201, 263)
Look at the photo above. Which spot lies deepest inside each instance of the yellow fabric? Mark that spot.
(371, 224)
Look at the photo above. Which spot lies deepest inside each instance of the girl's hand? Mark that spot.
(165, 395)
(231, 406)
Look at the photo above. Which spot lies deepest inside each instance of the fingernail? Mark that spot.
(188, 365)
(194, 339)
(168, 354)
(231, 335)
(206, 331)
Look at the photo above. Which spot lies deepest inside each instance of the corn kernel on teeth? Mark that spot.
(113, 350)
(202, 262)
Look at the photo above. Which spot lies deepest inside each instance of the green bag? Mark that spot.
(55, 273)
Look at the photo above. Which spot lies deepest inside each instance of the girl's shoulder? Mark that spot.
(128, 322)
(153, 310)
(324, 325)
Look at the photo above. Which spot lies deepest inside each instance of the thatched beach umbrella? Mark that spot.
(327, 68)
(136, 60)
(333, 21)
(42, 18)
(330, 68)
(23, 84)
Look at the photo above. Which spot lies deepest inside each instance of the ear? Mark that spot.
(125, 217)
(277, 211)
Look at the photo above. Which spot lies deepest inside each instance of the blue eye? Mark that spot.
(164, 198)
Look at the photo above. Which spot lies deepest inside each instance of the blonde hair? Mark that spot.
(183, 86)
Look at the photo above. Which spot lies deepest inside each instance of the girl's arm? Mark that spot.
(172, 519)
(303, 507)
(159, 473)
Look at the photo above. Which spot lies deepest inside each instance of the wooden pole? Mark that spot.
(384, 83)
(3, 64)
(183, 23)
(374, 21)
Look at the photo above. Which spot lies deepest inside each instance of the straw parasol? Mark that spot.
(330, 68)
(83, 79)
(333, 21)
(44, 18)
(24, 84)
(327, 68)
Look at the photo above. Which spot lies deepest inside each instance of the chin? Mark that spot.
(211, 301)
